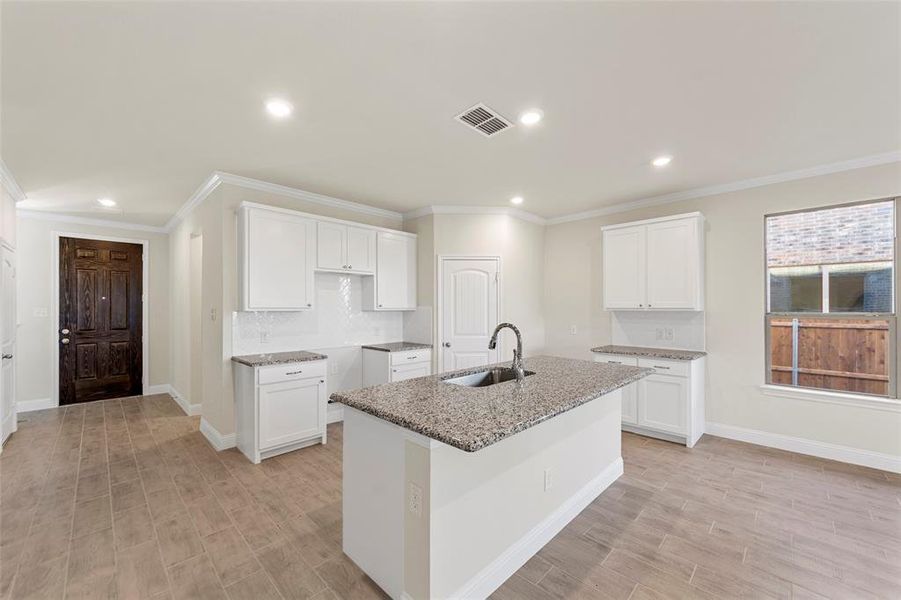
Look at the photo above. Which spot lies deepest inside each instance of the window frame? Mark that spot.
(891, 317)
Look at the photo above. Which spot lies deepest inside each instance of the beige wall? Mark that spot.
(34, 282)
(216, 221)
(734, 300)
(520, 244)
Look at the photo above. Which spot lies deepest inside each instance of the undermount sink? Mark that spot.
(486, 378)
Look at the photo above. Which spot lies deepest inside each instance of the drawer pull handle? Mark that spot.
(293, 372)
(659, 367)
(411, 357)
(615, 362)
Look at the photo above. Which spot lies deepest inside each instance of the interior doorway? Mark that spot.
(468, 309)
(100, 337)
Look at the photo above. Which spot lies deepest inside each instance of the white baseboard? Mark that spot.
(847, 454)
(216, 439)
(335, 413)
(161, 388)
(504, 566)
(189, 409)
(39, 404)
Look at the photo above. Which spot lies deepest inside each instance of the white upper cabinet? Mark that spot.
(624, 268)
(276, 266)
(395, 278)
(345, 248)
(655, 265)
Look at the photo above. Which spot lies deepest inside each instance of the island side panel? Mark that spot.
(489, 510)
(373, 498)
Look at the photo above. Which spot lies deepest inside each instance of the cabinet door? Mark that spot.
(402, 373)
(663, 403)
(630, 392)
(279, 261)
(360, 250)
(331, 243)
(395, 278)
(673, 263)
(624, 268)
(291, 411)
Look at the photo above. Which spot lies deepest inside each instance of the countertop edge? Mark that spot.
(661, 353)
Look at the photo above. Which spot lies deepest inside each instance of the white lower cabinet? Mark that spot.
(669, 403)
(280, 408)
(387, 367)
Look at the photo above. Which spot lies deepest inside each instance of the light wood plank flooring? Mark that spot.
(126, 499)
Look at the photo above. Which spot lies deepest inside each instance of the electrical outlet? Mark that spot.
(333, 367)
(670, 334)
(659, 333)
(572, 330)
(415, 500)
(212, 314)
(264, 337)
(548, 480)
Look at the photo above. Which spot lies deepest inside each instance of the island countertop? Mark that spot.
(471, 418)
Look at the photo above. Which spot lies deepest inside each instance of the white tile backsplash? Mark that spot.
(640, 328)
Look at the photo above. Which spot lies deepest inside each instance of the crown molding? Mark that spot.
(9, 182)
(194, 200)
(475, 210)
(735, 186)
(39, 215)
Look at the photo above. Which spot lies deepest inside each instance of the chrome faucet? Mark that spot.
(517, 354)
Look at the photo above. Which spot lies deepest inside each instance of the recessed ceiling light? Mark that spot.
(516, 200)
(107, 202)
(279, 108)
(530, 117)
(661, 161)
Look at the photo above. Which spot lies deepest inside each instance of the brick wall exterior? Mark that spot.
(848, 234)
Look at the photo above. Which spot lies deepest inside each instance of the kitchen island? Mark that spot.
(449, 489)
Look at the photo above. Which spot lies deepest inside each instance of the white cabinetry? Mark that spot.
(387, 367)
(280, 408)
(276, 264)
(395, 278)
(669, 403)
(655, 265)
(345, 248)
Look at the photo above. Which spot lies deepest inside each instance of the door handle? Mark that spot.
(447, 344)
(64, 341)
(64, 332)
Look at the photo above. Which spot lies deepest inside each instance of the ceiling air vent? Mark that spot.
(484, 120)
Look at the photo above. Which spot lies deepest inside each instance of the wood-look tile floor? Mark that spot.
(125, 499)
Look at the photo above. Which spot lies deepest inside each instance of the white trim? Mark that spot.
(439, 285)
(846, 454)
(475, 210)
(735, 186)
(189, 409)
(23, 406)
(830, 397)
(679, 217)
(10, 183)
(216, 439)
(334, 413)
(200, 194)
(502, 568)
(40, 215)
(160, 388)
(54, 304)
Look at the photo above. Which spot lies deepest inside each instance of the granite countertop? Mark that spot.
(278, 358)
(471, 418)
(669, 353)
(398, 346)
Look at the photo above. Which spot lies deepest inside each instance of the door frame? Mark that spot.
(439, 290)
(54, 305)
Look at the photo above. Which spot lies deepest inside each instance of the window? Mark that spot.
(830, 298)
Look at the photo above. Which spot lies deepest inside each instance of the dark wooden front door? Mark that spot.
(100, 313)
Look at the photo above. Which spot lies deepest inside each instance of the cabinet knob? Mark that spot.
(7, 356)
(447, 344)
(309, 305)
(380, 305)
(350, 266)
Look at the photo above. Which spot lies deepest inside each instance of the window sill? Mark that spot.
(845, 399)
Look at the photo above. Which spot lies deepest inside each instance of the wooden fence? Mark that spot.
(832, 354)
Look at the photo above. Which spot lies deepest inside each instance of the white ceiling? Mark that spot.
(142, 101)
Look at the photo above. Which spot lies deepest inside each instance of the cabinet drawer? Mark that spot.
(679, 368)
(411, 357)
(291, 371)
(629, 361)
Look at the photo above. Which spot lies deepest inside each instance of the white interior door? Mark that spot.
(469, 312)
(7, 343)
